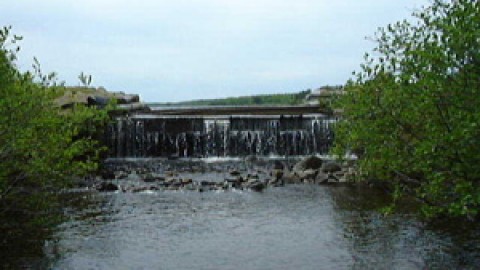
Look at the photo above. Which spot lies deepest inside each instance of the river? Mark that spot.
(302, 226)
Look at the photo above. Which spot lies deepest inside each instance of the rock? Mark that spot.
(235, 173)
(127, 99)
(170, 180)
(308, 181)
(139, 189)
(332, 178)
(98, 101)
(121, 174)
(256, 186)
(321, 178)
(190, 187)
(176, 184)
(187, 181)
(311, 162)
(232, 179)
(207, 183)
(252, 180)
(106, 186)
(277, 173)
(234, 182)
(170, 174)
(276, 182)
(278, 165)
(291, 178)
(331, 167)
(308, 174)
(107, 175)
(151, 177)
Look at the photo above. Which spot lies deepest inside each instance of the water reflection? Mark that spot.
(28, 231)
(401, 240)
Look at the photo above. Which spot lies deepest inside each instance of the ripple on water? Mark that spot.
(297, 226)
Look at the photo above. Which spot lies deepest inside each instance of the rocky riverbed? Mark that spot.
(250, 173)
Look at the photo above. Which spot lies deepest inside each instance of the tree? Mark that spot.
(85, 79)
(41, 146)
(412, 114)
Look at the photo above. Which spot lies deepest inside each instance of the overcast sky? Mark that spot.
(179, 50)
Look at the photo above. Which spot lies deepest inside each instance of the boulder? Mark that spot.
(98, 101)
(331, 167)
(312, 162)
(127, 99)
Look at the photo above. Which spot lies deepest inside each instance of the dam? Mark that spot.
(199, 132)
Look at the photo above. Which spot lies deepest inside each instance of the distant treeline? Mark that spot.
(274, 99)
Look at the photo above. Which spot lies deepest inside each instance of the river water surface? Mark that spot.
(291, 227)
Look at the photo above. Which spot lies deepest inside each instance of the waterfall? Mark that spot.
(219, 136)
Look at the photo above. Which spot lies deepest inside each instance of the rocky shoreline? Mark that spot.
(251, 173)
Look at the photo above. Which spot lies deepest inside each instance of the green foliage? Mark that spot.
(41, 147)
(412, 114)
(276, 99)
(85, 79)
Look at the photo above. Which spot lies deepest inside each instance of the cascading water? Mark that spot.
(219, 136)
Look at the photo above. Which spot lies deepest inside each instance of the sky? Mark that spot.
(176, 50)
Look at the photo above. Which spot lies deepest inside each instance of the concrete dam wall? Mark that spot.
(153, 135)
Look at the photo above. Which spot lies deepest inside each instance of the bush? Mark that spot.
(413, 112)
(41, 146)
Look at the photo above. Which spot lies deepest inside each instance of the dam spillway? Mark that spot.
(198, 136)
